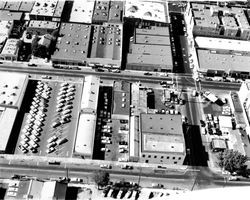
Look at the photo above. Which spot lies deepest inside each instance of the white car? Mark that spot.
(105, 149)
(105, 141)
(106, 166)
(50, 150)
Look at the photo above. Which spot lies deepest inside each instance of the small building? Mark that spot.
(218, 144)
(90, 94)
(53, 190)
(12, 89)
(42, 27)
(10, 50)
(121, 100)
(101, 12)
(84, 143)
(82, 11)
(162, 139)
(225, 121)
(6, 15)
(50, 10)
(116, 11)
(33, 189)
(5, 30)
(23, 190)
(146, 10)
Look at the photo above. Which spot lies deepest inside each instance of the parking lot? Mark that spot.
(103, 117)
(49, 126)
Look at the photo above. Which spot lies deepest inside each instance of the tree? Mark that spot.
(101, 178)
(19, 44)
(232, 161)
(34, 44)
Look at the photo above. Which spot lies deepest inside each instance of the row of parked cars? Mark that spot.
(122, 190)
(64, 104)
(35, 118)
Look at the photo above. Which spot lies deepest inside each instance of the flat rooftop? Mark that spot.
(49, 8)
(222, 44)
(153, 30)
(82, 11)
(7, 15)
(107, 42)
(162, 133)
(121, 98)
(147, 10)
(162, 143)
(207, 16)
(12, 88)
(161, 123)
(225, 62)
(73, 43)
(90, 94)
(84, 144)
(115, 11)
(7, 119)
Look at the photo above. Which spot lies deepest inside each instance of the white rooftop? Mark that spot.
(12, 88)
(224, 44)
(90, 93)
(85, 135)
(10, 47)
(44, 7)
(155, 11)
(5, 29)
(163, 143)
(7, 119)
(82, 11)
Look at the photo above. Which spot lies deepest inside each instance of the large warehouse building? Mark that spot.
(150, 50)
(162, 139)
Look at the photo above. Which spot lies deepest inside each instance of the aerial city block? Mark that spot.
(124, 99)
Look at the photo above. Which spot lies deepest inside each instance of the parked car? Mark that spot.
(106, 166)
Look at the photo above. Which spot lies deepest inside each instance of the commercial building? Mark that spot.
(33, 189)
(150, 50)
(10, 50)
(41, 27)
(6, 15)
(146, 10)
(212, 20)
(82, 11)
(101, 12)
(214, 63)
(106, 45)
(85, 136)
(90, 94)
(47, 10)
(121, 100)
(5, 30)
(244, 97)
(162, 139)
(116, 11)
(218, 144)
(72, 44)
(21, 5)
(222, 45)
(7, 119)
(12, 89)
